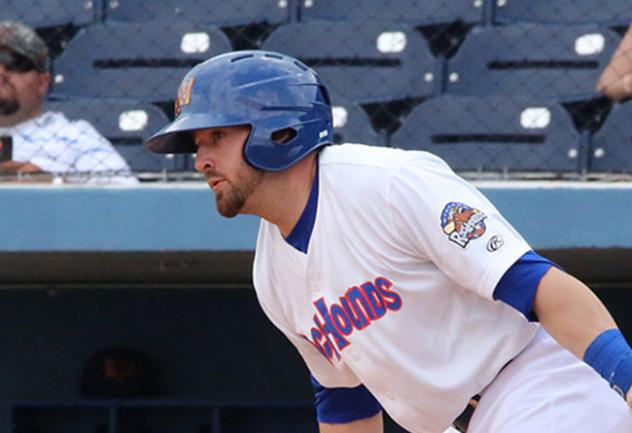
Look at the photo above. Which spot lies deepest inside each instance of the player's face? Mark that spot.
(21, 91)
(220, 158)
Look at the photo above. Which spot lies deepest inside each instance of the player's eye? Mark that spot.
(218, 135)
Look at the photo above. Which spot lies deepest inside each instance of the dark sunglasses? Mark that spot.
(14, 62)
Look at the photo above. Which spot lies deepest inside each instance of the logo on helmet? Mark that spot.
(184, 94)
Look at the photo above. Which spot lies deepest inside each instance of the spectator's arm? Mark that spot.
(616, 79)
(19, 167)
(23, 172)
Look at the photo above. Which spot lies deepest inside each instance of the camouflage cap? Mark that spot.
(23, 40)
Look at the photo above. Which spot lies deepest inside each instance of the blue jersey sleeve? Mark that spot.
(518, 285)
(343, 405)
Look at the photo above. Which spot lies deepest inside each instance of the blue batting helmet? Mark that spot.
(269, 91)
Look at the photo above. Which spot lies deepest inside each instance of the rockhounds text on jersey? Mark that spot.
(358, 308)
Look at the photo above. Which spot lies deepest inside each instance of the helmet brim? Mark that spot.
(176, 137)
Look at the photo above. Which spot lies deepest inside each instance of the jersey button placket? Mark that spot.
(354, 355)
(312, 280)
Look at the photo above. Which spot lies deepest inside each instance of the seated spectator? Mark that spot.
(46, 142)
(616, 80)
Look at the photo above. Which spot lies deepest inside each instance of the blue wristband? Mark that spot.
(611, 356)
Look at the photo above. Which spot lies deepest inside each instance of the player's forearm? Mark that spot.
(570, 311)
(578, 320)
(373, 424)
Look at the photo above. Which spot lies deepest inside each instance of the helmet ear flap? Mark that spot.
(283, 136)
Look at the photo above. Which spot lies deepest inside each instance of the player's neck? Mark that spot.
(285, 194)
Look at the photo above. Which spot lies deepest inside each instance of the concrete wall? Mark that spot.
(183, 217)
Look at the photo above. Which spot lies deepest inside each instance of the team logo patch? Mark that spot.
(184, 94)
(462, 223)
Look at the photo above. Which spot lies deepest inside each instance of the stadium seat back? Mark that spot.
(136, 61)
(603, 12)
(125, 124)
(361, 61)
(611, 146)
(561, 62)
(352, 124)
(51, 13)
(495, 134)
(222, 12)
(427, 12)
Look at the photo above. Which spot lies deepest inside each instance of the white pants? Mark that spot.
(546, 389)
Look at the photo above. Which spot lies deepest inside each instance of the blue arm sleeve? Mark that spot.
(343, 405)
(518, 285)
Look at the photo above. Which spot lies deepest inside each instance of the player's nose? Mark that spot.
(204, 159)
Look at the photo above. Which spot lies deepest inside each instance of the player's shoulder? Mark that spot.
(373, 158)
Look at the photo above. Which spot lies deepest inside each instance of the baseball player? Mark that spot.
(401, 286)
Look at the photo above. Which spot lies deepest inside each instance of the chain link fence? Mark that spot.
(500, 89)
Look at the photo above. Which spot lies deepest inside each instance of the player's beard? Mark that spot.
(231, 201)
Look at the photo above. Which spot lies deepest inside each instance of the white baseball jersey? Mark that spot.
(395, 290)
(58, 145)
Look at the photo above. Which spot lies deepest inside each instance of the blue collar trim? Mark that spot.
(302, 232)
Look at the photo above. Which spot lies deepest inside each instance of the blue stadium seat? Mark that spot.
(352, 124)
(362, 62)
(136, 61)
(233, 12)
(495, 134)
(51, 13)
(603, 12)
(611, 146)
(410, 11)
(126, 124)
(560, 62)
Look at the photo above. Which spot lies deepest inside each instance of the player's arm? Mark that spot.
(572, 314)
(372, 424)
(578, 320)
(616, 79)
(570, 311)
